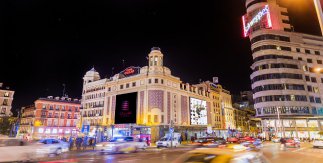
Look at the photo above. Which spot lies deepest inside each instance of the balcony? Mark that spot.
(43, 116)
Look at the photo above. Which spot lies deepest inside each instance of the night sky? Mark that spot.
(45, 44)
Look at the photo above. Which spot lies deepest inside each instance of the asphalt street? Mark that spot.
(304, 154)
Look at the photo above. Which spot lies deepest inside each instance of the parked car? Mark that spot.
(12, 149)
(318, 143)
(221, 155)
(167, 142)
(51, 146)
(120, 145)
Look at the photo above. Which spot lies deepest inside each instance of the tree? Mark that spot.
(6, 124)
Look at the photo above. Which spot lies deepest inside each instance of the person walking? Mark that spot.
(282, 144)
(70, 141)
(85, 142)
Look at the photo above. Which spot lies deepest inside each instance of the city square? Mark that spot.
(162, 81)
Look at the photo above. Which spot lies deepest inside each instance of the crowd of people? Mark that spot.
(81, 143)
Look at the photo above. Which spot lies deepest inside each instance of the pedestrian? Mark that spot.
(282, 144)
(70, 141)
(91, 143)
(180, 139)
(85, 142)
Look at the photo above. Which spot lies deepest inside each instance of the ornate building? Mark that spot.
(6, 98)
(145, 101)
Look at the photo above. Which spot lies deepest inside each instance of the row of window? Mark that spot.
(94, 89)
(278, 87)
(271, 56)
(281, 98)
(265, 47)
(94, 104)
(58, 107)
(93, 96)
(283, 110)
(276, 65)
(269, 37)
(276, 76)
(312, 89)
(307, 51)
(315, 99)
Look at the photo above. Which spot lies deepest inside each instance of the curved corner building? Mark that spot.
(287, 78)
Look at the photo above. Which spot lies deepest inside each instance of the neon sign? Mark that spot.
(256, 19)
(130, 71)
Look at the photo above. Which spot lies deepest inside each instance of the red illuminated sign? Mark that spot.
(248, 22)
(130, 71)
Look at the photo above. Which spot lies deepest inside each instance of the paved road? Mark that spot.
(305, 154)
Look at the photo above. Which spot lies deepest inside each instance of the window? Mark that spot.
(6, 94)
(286, 21)
(162, 118)
(309, 61)
(319, 61)
(149, 119)
(298, 50)
(321, 80)
(307, 78)
(109, 89)
(162, 81)
(309, 88)
(156, 118)
(300, 58)
(317, 52)
(313, 79)
(311, 98)
(316, 90)
(318, 100)
(121, 86)
(307, 51)
(134, 84)
(127, 85)
(156, 80)
(149, 81)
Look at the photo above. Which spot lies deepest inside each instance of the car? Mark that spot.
(247, 139)
(51, 146)
(120, 145)
(293, 143)
(209, 142)
(318, 143)
(275, 140)
(232, 140)
(13, 149)
(166, 142)
(225, 155)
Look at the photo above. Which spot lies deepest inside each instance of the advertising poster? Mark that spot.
(126, 106)
(198, 112)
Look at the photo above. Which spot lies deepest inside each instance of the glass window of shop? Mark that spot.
(312, 123)
(288, 123)
(301, 123)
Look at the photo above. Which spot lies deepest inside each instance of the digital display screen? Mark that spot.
(198, 112)
(126, 106)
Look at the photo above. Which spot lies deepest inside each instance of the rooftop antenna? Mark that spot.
(63, 90)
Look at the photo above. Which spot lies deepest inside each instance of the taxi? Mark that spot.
(234, 154)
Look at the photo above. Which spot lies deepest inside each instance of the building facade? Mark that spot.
(51, 117)
(287, 72)
(6, 98)
(27, 120)
(146, 101)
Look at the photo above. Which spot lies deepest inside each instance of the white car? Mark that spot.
(120, 145)
(51, 146)
(166, 142)
(317, 143)
(12, 149)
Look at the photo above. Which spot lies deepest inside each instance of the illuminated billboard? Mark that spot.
(258, 20)
(126, 107)
(198, 112)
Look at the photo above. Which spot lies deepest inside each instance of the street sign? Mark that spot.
(171, 130)
(85, 128)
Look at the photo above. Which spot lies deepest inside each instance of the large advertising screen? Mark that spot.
(198, 111)
(126, 106)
